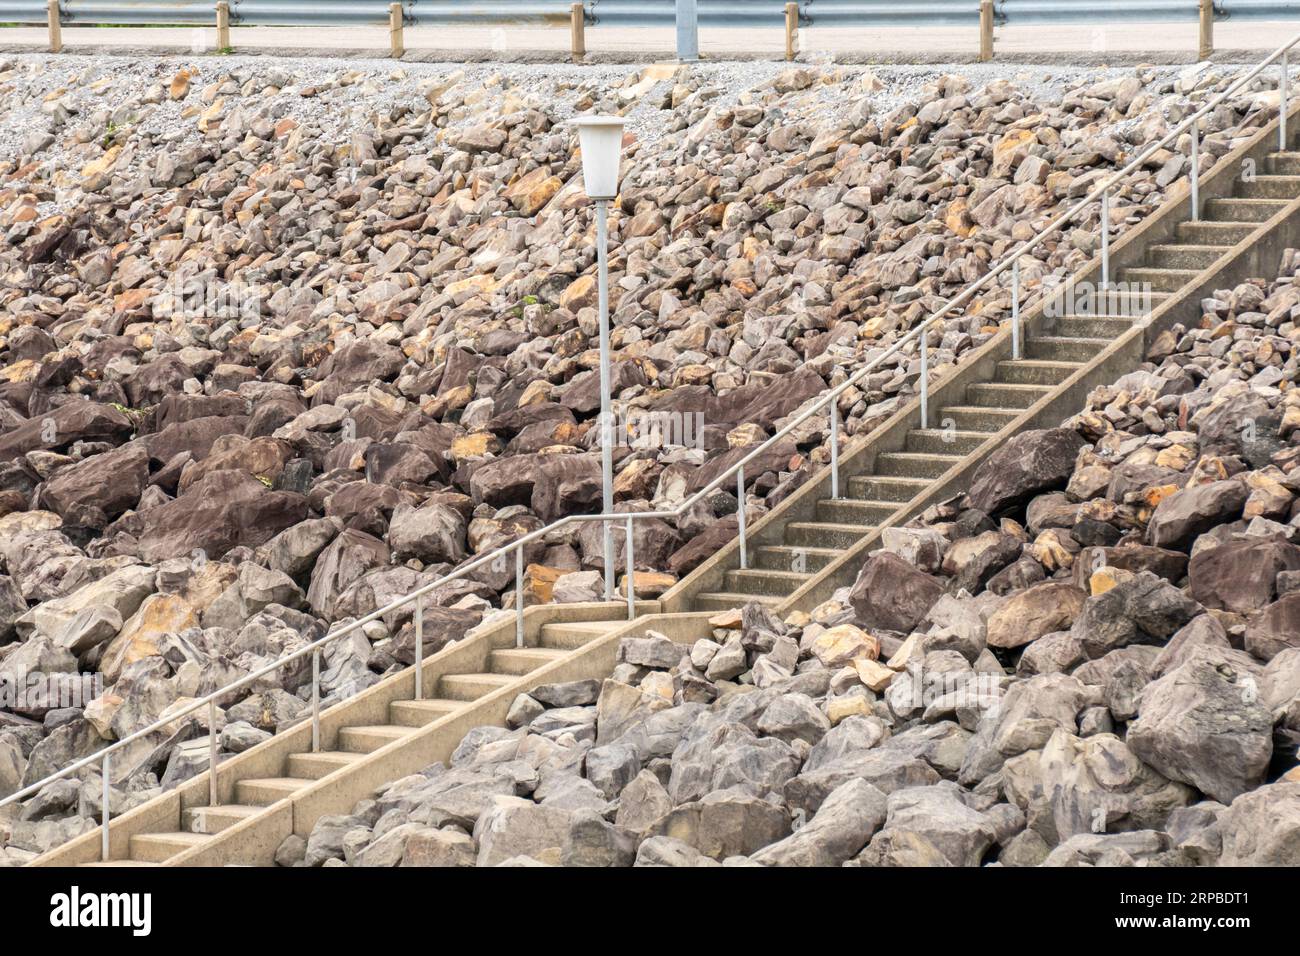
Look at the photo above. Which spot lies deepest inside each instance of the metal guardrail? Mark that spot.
(826, 404)
(632, 13)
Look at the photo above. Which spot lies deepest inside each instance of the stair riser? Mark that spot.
(1056, 350)
(1187, 257)
(1022, 373)
(1090, 328)
(852, 511)
(460, 687)
(993, 397)
(1240, 210)
(741, 582)
(154, 851)
(796, 536)
(207, 820)
(1160, 280)
(361, 742)
(311, 767)
(515, 665)
(790, 559)
(407, 714)
(873, 488)
(705, 602)
(1268, 187)
(556, 637)
(1129, 301)
(254, 795)
(909, 466)
(943, 441)
(1212, 234)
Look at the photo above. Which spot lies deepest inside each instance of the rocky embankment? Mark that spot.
(1092, 657)
(283, 341)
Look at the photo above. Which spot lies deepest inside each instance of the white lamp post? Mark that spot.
(601, 138)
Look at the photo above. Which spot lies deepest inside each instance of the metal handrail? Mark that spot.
(1008, 261)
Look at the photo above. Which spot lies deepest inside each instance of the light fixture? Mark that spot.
(601, 138)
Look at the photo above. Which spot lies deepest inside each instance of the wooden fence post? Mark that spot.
(578, 30)
(791, 30)
(395, 30)
(223, 26)
(1206, 48)
(56, 31)
(986, 30)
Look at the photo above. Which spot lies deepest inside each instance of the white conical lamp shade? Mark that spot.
(601, 138)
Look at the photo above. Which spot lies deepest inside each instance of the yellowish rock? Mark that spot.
(159, 615)
(844, 644)
(847, 705)
(874, 675)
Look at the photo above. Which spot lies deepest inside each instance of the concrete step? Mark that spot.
(1282, 164)
(262, 792)
(522, 660)
(472, 686)
(1162, 280)
(886, 487)
(764, 582)
(1184, 256)
(1242, 210)
(974, 418)
(855, 510)
(569, 637)
(1131, 302)
(368, 739)
(945, 440)
(1108, 327)
(417, 713)
(313, 766)
(157, 847)
(1268, 186)
(1063, 348)
(1206, 232)
(782, 557)
(212, 820)
(1034, 372)
(910, 464)
(729, 601)
(821, 534)
(117, 863)
(1005, 395)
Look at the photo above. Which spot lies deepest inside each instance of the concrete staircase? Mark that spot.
(260, 783)
(960, 432)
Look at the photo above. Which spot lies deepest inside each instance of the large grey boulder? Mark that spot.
(842, 826)
(1205, 724)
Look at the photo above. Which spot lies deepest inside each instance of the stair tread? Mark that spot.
(288, 784)
(1072, 339)
(485, 676)
(785, 548)
(832, 525)
(538, 653)
(1188, 246)
(589, 627)
(1037, 363)
(395, 731)
(926, 455)
(955, 432)
(440, 704)
(230, 809)
(328, 756)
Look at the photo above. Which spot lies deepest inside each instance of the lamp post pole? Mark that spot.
(601, 139)
(606, 411)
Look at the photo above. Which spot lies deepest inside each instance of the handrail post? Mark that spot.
(519, 596)
(1281, 119)
(1196, 174)
(791, 30)
(1105, 240)
(315, 701)
(212, 753)
(740, 515)
(419, 650)
(835, 448)
(925, 376)
(1015, 309)
(105, 814)
(631, 574)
